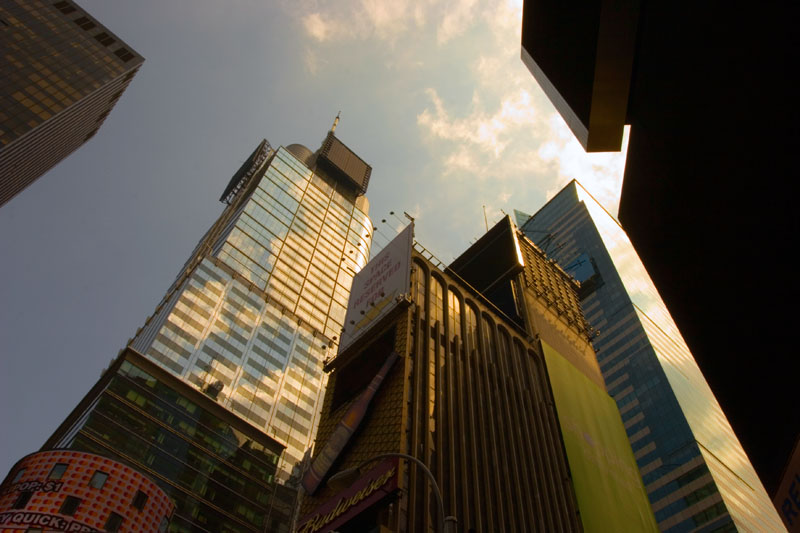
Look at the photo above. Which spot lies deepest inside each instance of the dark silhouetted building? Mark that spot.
(60, 75)
(694, 469)
(484, 372)
(708, 197)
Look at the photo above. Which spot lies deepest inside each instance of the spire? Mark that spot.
(335, 122)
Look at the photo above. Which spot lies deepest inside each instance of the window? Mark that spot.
(64, 7)
(18, 475)
(98, 479)
(58, 471)
(85, 23)
(139, 500)
(105, 39)
(113, 523)
(124, 54)
(69, 506)
(22, 500)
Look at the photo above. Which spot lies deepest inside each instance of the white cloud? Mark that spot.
(503, 146)
(316, 26)
(600, 173)
(458, 16)
(480, 131)
(311, 61)
(387, 19)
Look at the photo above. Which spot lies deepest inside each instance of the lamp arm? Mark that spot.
(424, 468)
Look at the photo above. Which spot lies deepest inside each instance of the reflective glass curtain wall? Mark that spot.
(695, 471)
(251, 319)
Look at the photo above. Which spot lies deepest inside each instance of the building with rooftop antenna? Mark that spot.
(248, 322)
(61, 74)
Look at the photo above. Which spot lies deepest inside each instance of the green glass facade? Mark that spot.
(220, 474)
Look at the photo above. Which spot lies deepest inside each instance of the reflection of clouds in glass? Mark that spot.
(257, 316)
(635, 278)
(729, 466)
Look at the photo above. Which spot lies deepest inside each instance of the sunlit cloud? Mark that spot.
(316, 27)
(488, 134)
(600, 173)
(458, 16)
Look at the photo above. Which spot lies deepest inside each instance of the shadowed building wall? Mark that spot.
(470, 396)
(61, 74)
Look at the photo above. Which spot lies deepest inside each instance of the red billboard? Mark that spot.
(373, 487)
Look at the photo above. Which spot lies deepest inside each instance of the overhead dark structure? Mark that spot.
(709, 191)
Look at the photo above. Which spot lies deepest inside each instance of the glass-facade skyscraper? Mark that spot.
(240, 337)
(61, 73)
(261, 302)
(697, 475)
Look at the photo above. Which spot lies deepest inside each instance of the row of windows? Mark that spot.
(71, 504)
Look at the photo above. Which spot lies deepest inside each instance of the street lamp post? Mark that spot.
(347, 477)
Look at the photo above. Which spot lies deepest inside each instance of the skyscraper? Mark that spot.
(60, 75)
(251, 317)
(260, 303)
(694, 469)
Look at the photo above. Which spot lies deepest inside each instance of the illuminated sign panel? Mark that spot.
(379, 287)
(373, 487)
(608, 487)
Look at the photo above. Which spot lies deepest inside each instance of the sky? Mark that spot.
(433, 95)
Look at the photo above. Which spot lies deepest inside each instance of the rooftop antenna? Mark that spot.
(485, 220)
(335, 122)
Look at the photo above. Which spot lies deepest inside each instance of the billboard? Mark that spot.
(334, 153)
(347, 426)
(246, 171)
(608, 487)
(371, 488)
(379, 287)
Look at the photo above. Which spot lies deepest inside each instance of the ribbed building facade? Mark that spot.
(470, 395)
(60, 75)
(697, 476)
(469, 399)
